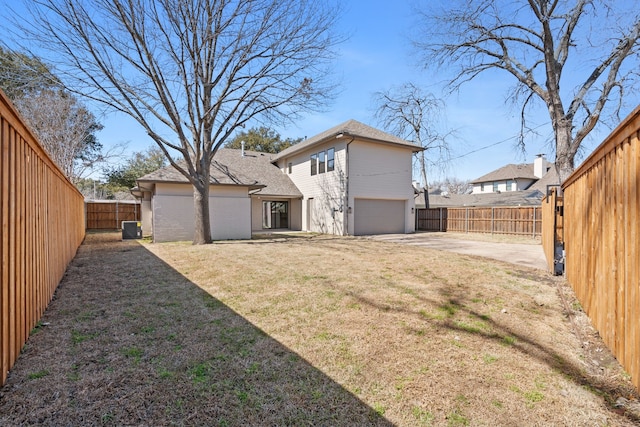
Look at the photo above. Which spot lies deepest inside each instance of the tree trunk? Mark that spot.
(423, 172)
(202, 225)
(565, 154)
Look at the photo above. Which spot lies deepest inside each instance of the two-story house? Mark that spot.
(517, 177)
(349, 180)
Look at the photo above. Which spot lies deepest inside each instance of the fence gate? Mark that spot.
(553, 231)
(109, 214)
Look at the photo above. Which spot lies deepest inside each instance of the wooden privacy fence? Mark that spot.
(109, 214)
(524, 221)
(602, 240)
(42, 227)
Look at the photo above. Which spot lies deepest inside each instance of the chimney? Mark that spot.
(540, 166)
(242, 152)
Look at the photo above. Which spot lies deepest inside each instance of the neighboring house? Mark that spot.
(349, 180)
(511, 198)
(510, 185)
(517, 177)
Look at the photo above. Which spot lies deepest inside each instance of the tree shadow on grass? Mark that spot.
(128, 340)
(455, 312)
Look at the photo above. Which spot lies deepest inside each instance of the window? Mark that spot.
(511, 185)
(321, 162)
(495, 187)
(330, 159)
(290, 166)
(482, 186)
(314, 164)
(275, 215)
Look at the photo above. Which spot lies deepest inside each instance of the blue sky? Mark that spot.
(377, 56)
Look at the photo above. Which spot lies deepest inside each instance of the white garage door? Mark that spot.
(378, 216)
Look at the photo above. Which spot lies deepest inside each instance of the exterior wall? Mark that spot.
(146, 214)
(173, 212)
(323, 207)
(521, 184)
(295, 212)
(375, 171)
(379, 171)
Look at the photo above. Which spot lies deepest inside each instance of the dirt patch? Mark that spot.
(313, 331)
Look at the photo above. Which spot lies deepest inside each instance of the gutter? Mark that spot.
(346, 167)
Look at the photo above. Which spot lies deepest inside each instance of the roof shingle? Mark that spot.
(349, 128)
(229, 167)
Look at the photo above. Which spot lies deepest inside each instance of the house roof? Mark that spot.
(507, 198)
(229, 167)
(350, 128)
(551, 178)
(510, 171)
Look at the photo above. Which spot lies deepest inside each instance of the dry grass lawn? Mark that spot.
(309, 331)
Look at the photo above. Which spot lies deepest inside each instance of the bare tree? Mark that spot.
(414, 115)
(192, 72)
(547, 46)
(456, 186)
(63, 125)
(66, 130)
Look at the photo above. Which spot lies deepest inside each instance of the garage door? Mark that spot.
(378, 216)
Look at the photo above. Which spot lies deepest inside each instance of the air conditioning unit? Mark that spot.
(131, 230)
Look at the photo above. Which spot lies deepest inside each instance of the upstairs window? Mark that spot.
(314, 164)
(511, 185)
(495, 187)
(330, 159)
(290, 166)
(321, 162)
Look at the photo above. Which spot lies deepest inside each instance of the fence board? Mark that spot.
(524, 221)
(42, 217)
(108, 215)
(602, 240)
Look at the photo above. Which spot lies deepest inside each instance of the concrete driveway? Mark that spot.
(528, 255)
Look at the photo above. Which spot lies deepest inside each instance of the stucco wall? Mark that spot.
(173, 212)
(327, 190)
(376, 171)
(521, 184)
(295, 216)
(146, 214)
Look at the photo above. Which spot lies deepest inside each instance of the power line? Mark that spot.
(494, 144)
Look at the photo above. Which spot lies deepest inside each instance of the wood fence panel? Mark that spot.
(108, 215)
(42, 217)
(525, 221)
(602, 240)
(433, 219)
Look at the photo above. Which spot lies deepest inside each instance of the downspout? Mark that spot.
(346, 167)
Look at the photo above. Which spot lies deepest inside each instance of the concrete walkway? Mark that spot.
(528, 255)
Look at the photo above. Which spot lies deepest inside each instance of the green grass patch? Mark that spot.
(508, 340)
(533, 397)
(489, 359)
(133, 353)
(422, 416)
(36, 375)
(37, 328)
(78, 337)
(450, 308)
(455, 418)
(472, 327)
(199, 373)
(379, 408)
